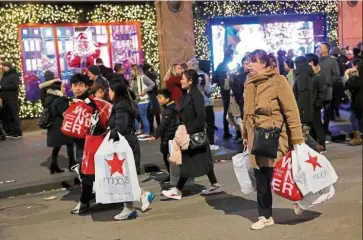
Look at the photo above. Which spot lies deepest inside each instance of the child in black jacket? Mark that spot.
(168, 126)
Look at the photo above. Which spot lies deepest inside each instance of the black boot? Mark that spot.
(54, 168)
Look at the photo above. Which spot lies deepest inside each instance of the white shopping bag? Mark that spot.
(175, 171)
(311, 171)
(115, 172)
(244, 172)
(313, 199)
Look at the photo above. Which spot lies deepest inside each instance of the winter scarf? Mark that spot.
(250, 89)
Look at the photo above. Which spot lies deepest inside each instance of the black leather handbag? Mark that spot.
(266, 142)
(198, 140)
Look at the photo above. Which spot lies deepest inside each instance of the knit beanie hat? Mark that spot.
(48, 75)
(95, 70)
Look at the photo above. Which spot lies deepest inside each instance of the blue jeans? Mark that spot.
(356, 124)
(143, 116)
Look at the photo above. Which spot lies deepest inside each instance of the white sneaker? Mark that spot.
(172, 193)
(146, 200)
(262, 222)
(297, 209)
(126, 214)
(215, 188)
(214, 147)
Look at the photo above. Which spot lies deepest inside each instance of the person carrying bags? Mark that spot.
(271, 126)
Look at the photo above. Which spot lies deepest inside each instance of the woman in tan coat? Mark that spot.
(269, 101)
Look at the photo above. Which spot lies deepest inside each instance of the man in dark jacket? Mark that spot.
(338, 87)
(9, 93)
(168, 126)
(237, 88)
(304, 93)
(330, 71)
(105, 71)
(94, 74)
(221, 77)
(317, 130)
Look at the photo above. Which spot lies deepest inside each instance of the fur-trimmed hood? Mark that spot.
(55, 92)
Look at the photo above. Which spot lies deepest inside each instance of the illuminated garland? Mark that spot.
(203, 11)
(11, 15)
(143, 13)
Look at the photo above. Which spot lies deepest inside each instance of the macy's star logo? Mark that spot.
(313, 161)
(116, 165)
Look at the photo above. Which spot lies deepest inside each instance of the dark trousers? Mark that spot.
(151, 115)
(211, 176)
(264, 195)
(11, 119)
(226, 101)
(70, 153)
(327, 115)
(210, 120)
(166, 161)
(87, 188)
(335, 107)
(317, 129)
(87, 179)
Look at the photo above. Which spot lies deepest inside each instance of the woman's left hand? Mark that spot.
(142, 94)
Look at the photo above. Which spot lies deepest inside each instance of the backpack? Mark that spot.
(45, 120)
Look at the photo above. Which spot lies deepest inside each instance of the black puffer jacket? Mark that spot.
(122, 120)
(168, 126)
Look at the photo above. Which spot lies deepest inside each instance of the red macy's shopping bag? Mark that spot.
(104, 110)
(283, 183)
(91, 146)
(77, 119)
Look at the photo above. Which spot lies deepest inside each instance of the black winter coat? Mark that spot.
(319, 91)
(220, 74)
(304, 92)
(122, 120)
(168, 126)
(105, 71)
(355, 86)
(57, 105)
(9, 85)
(237, 87)
(196, 162)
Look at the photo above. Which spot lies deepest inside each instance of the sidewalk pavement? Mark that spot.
(24, 162)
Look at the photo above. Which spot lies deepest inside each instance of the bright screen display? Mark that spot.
(271, 37)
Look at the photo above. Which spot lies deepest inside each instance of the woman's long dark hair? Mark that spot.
(192, 75)
(120, 90)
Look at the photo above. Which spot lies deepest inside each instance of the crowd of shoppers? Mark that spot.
(269, 92)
